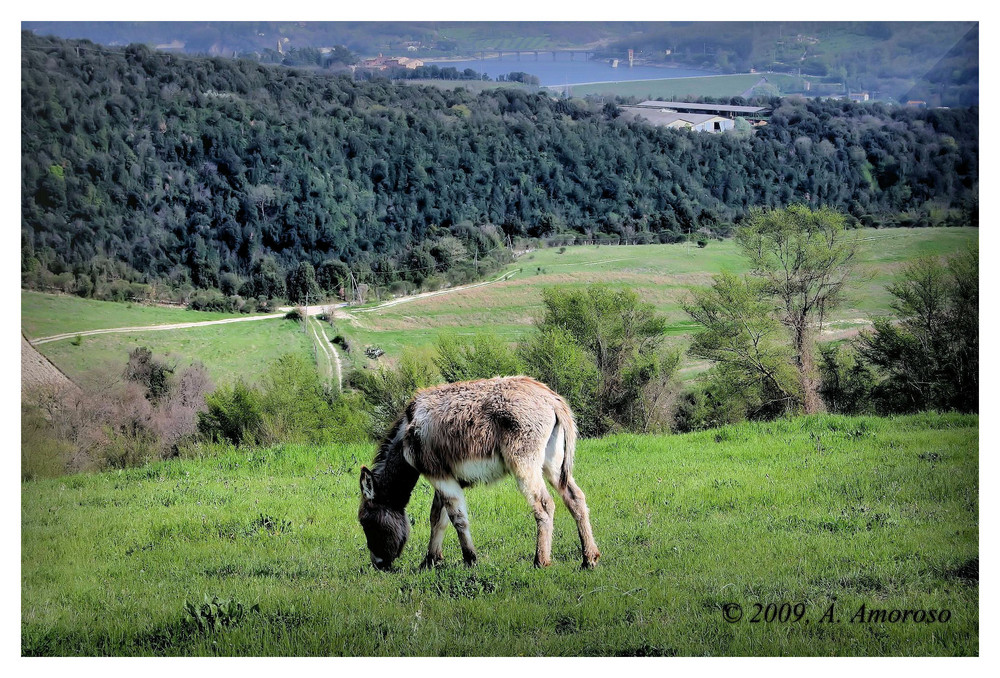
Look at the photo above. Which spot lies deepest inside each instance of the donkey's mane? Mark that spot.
(382, 455)
(394, 477)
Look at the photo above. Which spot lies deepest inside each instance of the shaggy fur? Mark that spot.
(459, 435)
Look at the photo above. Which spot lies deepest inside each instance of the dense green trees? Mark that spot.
(140, 168)
(926, 357)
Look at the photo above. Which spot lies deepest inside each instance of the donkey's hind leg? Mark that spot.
(453, 499)
(439, 524)
(532, 486)
(576, 502)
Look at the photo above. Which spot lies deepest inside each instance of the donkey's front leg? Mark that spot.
(454, 504)
(439, 523)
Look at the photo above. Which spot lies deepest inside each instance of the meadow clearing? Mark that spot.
(818, 511)
(687, 89)
(662, 274)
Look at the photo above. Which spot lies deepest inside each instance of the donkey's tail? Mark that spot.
(564, 418)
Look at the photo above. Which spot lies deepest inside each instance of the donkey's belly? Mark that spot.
(479, 471)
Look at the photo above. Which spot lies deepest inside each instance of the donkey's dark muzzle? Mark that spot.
(380, 564)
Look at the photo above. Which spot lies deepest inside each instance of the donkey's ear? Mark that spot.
(367, 483)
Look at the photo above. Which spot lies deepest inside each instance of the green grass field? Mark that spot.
(662, 274)
(44, 315)
(228, 351)
(682, 88)
(821, 511)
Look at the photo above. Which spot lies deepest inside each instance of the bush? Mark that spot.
(388, 389)
(622, 338)
(293, 402)
(151, 374)
(234, 414)
(929, 357)
(43, 453)
(480, 357)
(114, 423)
(553, 357)
(848, 381)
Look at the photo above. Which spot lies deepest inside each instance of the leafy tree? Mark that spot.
(267, 279)
(302, 284)
(803, 258)
(753, 372)
(332, 275)
(929, 357)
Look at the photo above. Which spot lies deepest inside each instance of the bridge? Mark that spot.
(585, 53)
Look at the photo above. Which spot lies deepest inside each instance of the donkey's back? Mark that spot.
(477, 431)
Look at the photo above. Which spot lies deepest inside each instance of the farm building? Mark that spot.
(721, 110)
(697, 122)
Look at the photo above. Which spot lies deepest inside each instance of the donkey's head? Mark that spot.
(386, 528)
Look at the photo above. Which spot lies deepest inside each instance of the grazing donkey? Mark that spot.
(471, 432)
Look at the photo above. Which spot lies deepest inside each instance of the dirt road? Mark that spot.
(310, 311)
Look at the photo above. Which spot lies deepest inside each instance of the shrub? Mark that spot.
(622, 338)
(234, 413)
(848, 381)
(480, 357)
(44, 454)
(553, 357)
(152, 374)
(388, 389)
(929, 358)
(293, 402)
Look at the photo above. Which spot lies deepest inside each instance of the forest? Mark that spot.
(150, 171)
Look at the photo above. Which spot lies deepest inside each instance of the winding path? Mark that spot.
(328, 350)
(152, 328)
(310, 311)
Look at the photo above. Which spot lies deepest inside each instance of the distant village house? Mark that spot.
(380, 63)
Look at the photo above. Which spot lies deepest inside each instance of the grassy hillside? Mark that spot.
(44, 315)
(662, 274)
(684, 88)
(227, 351)
(820, 510)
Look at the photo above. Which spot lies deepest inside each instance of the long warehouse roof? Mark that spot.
(701, 107)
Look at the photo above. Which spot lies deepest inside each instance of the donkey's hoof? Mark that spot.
(430, 562)
(542, 563)
(590, 562)
(469, 558)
